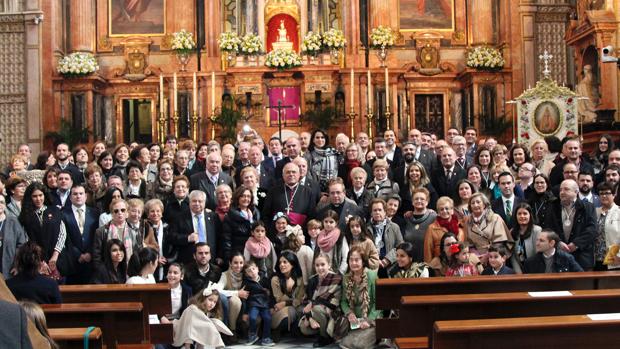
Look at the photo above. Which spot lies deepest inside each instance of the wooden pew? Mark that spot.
(155, 299)
(122, 322)
(569, 331)
(73, 338)
(419, 313)
(390, 291)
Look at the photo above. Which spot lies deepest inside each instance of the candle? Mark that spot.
(369, 91)
(161, 94)
(174, 97)
(195, 94)
(387, 89)
(212, 92)
(352, 89)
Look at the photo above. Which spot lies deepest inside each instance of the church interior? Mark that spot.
(429, 72)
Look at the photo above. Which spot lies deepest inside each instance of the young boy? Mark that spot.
(314, 228)
(497, 262)
(258, 303)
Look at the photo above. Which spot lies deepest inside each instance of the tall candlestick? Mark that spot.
(174, 97)
(161, 94)
(369, 78)
(387, 88)
(352, 88)
(212, 91)
(195, 94)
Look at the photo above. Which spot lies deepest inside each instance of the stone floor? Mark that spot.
(286, 343)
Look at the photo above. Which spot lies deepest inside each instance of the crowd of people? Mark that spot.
(261, 239)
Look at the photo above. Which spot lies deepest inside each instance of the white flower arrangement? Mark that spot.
(251, 44)
(183, 41)
(229, 42)
(334, 39)
(485, 58)
(382, 37)
(78, 63)
(312, 44)
(282, 59)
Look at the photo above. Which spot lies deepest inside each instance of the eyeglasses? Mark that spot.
(123, 210)
(605, 193)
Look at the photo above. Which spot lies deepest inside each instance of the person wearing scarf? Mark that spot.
(486, 228)
(117, 228)
(332, 243)
(358, 304)
(259, 249)
(323, 158)
(351, 161)
(230, 287)
(161, 187)
(445, 222)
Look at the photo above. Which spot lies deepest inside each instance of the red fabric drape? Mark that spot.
(291, 28)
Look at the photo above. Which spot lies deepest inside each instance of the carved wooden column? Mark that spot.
(527, 13)
(482, 28)
(351, 24)
(260, 20)
(382, 13)
(82, 28)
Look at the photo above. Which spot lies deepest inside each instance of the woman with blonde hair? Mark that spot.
(37, 316)
(416, 178)
(446, 222)
(486, 228)
(540, 152)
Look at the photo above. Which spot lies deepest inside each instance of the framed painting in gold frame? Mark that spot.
(136, 18)
(426, 15)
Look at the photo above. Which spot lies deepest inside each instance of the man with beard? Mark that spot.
(63, 163)
(572, 153)
(612, 176)
(392, 151)
(400, 173)
(575, 223)
(586, 183)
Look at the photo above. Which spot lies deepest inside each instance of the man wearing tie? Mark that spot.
(60, 196)
(460, 148)
(275, 151)
(586, 183)
(506, 204)
(81, 222)
(445, 178)
(207, 181)
(197, 225)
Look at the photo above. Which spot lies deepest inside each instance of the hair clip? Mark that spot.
(455, 248)
(293, 230)
(278, 216)
(209, 289)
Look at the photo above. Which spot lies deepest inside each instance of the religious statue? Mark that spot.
(282, 37)
(587, 107)
(548, 123)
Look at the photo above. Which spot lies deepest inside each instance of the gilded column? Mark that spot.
(260, 20)
(82, 33)
(482, 26)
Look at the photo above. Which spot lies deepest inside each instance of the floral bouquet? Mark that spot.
(77, 64)
(382, 37)
(312, 44)
(251, 44)
(183, 42)
(229, 42)
(485, 58)
(282, 59)
(334, 39)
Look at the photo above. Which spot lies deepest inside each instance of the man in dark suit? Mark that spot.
(307, 181)
(339, 203)
(293, 150)
(549, 258)
(275, 154)
(400, 172)
(60, 196)
(81, 222)
(460, 149)
(572, 153)
(424, 156)
(265, 174)
(197, 225)
(505, 206)
(393, 151)
(63, 163)
(586, 183)
(471, 138)
(207, 181)
(444, 179)
(575, 223)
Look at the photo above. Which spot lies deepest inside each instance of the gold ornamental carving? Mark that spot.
(136, 50)
(104, 44)
(276, 7)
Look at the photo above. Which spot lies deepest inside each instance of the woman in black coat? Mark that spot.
(236, 227)
(29, 284)
(114, 267)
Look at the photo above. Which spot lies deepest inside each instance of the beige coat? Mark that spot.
(491, 230)
(432, 240)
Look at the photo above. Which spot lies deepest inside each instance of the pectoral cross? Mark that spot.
(279, 108)
(546, 57)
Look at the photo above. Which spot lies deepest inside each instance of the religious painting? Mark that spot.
(136, 17)
(546, 110)
(547, 118)
(426, 14)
